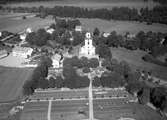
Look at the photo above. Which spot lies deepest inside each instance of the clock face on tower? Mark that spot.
(88, 35)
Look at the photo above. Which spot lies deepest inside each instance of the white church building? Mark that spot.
(88, 49)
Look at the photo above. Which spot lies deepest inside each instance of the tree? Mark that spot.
(69, 74)
(46, 61)
(53, 26)
(61, 23)
(112, 80)
(31, 37)
(113, 39)
(86, 70)
(96, 82)
(134, 87)
(78, 38)
(51, 82)
(27, 88)
(106, 63)
(74, 61)
(144, 95)
(158, 97)
(82, 82)
(41, 37)
(43, 83)
(103, 51)
(93, 63)
(59, 82)
(96, 32)
(84, 61)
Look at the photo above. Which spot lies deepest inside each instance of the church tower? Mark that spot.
(88, 50)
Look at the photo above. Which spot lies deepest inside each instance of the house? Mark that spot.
(78, 28)
(131, 36)
(106, 34)
(23, 36)
(0, 34)
(57, 61)
(3, 53)
(88, 49)
(50, 30)
(29, 30)
(22, 51)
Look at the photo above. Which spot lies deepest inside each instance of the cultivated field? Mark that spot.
(11, 82)
(135, 61)
(95, 4)
(109, 109)
(105, 108)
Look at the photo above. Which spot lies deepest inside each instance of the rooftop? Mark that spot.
(56, 57)
(22, 49)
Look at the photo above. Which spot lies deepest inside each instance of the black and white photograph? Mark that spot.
(83, 59)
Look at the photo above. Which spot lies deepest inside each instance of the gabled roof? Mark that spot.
(22, 49)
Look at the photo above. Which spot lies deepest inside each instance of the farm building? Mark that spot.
(57, 61)
(50, 30)
(88, 49)
(78, 28)
(3, 53)
(22, 51)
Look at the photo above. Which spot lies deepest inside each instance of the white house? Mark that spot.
(50, 30)
(88, 49)
(23, 36)
(131, 36)
(0, 34)
(57, 61)
(78, 28)
(22, 51)
(29, 30)
(105, 34)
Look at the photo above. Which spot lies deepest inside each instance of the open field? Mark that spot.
(16, 24)
(135, 61)
(95, 4)
(121, 26)
(103, 110)
(11, 82)
(12, 61)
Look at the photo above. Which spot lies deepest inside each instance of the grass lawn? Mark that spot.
(135, 61)
(11, 82)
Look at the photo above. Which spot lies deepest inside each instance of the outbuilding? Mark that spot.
(22, 51)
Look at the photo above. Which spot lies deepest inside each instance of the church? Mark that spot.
(88, 49)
